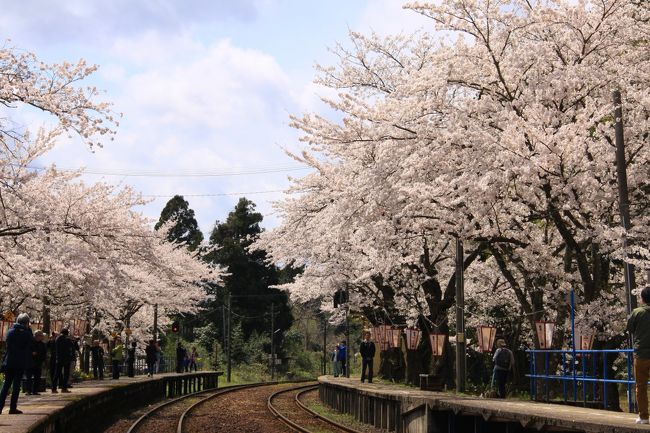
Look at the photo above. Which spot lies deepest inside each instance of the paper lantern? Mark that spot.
(437, 343)
(486, 335)
(395, 334)
(545, 332)
(413, 336)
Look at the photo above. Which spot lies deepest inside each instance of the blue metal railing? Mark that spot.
(579, 368)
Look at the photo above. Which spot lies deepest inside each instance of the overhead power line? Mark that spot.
(212, 195)
(179, 173)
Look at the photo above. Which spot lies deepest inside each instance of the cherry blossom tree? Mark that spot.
(497, 130)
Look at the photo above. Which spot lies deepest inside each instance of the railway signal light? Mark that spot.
(175, 327)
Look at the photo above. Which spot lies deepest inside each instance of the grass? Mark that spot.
(341, 418)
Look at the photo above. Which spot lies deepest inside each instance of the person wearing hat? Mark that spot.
(17, 359)
(64, 348)
(504, 362)
(39, 353)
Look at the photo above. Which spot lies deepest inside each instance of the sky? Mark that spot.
(204, 87)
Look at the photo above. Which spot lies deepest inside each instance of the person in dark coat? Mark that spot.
(504, 362)
(97, 360)
(180, 357)
(17, 359)
(151, 352)
(342, 358)
(130, 360)
(367, 349)
(64, 350)
(51, 349)
(39, 353)
(75, 351)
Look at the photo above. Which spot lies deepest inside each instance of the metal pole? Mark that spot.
(272, 343)
(155, 323)
(229, 337)
(324, 345)
(572, 300)
(460, 318)
(224, 329)
(347, 333)
(623, 198)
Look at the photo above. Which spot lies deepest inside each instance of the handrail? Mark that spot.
(581, 368)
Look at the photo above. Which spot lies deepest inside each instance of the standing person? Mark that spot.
(342, 358)
(186, 360)
(504, 361)
(39, 353)
(194, 356)
(367, 349)
(151, 352)
(16, 360)
(130, 360)
(75, 351)
(64, 349)
(51, 348)
(638, 324)
(180, 357)
(159, 355)
(336, 365)
(117, 357)
(97, 360)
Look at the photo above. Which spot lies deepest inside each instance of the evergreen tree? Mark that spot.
(250, 275)
(185, 228)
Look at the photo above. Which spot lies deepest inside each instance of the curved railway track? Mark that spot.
(317, 422)
(285, 407)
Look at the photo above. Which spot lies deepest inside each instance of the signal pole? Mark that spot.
(272, 342)
(460, 318)
(229, 337)
(623, 197)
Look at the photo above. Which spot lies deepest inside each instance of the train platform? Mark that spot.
(396, 407)
(53, 413)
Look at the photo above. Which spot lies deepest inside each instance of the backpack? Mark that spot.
(502, 359)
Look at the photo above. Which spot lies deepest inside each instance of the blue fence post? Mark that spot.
(546, 374)
(604, 380)
(594, 374)
(630, 376)
(533, 379)
(564, 375)
(584, 382)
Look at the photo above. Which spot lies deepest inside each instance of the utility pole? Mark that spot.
(460, 318)
(155, 323)
(223, 321)
(623, 198)
(347, 332)
(272, 342)
(324, 344)
(229, 337)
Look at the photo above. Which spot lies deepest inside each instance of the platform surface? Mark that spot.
(38, 407)
(528, 413)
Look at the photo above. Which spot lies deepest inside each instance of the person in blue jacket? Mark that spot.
(17, 359)
(342, 358)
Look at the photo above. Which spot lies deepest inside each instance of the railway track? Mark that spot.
(199, 412)
(316, 423)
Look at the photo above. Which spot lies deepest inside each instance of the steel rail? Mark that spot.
(295, 426)
(185, 414)
(163, 405)
(319, 416)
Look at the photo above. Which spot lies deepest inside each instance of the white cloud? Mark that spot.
(195, 107)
